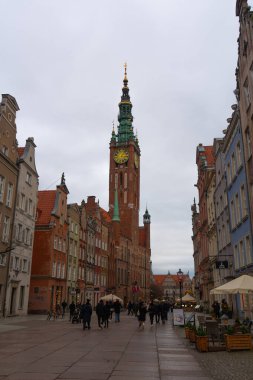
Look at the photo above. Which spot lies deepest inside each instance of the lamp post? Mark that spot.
(180, 280)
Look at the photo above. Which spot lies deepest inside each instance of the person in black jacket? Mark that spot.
(107, 312)
(117, 309)
(100, 311)
(142, 314)
(72, 308)
(86, 312)
(151, 311)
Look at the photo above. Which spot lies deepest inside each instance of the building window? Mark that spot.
(232, 210)
(55, 242)
(244, 202)
(28, 178)
(6, 229)
(248, 143)
(5, 150)
(233, 166)
(21, 297)
(228, 174)
(241, 254)
(247, 93)
(22, 202)
(54, 269)
(30, 207)
(248, 250)
(25, 265)
(237, 210)
(2, 182)
(9, 195)
(59, 244)
(238, 155)
(19, 232)
(59, 270)
(69, 273)
(63, 271)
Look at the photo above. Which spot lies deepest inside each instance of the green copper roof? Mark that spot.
(116, 217)
(125, 118)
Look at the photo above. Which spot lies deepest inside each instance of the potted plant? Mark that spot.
(187, 328)
(192, 334)
(201, 339)
(240, 340)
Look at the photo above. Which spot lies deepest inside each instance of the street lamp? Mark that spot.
(180, 280)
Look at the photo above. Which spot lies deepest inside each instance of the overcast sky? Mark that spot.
(63, 62)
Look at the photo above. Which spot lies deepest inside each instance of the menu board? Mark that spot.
(178, 317)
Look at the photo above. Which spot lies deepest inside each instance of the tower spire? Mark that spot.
(125, 118)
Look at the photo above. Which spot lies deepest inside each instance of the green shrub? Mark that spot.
(201, 331)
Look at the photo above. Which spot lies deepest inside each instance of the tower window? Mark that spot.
(125, 180)
(121, 179)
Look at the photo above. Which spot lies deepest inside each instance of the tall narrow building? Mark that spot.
(125, 168)
(130, 245)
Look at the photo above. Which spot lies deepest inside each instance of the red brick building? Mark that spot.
(48, 278)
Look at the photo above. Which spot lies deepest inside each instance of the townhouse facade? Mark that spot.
(8, 189)
(48, 286)
(19, 271)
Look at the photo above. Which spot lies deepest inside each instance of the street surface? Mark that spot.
(32, 348)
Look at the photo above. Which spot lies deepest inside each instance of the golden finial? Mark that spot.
(125, 66)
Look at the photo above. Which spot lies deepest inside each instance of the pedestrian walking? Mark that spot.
(157, 312)
(100, 311)
(107, 311)
(64, 305)
(142, 314)
(117, 309)
(151, 311)
(86, 312)
(72, 308)
(129, 308)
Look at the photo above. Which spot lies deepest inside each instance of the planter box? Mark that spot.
(202, 343)
(187, 332)
(238, 342)
(192, 336)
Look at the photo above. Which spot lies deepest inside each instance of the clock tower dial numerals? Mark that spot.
(121, 156)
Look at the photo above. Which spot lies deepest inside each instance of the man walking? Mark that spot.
(100, 311)
(86, 312)
(72, 307)
(117, 309)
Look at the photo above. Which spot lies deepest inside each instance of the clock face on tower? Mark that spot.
(136, 160)
(121, 156)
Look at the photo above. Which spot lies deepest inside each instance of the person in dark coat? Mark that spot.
(216, 309)
(117, 309)
(151, 311)
(86, 312)
(72, 308)
(157, 313)
(142, 314)
(130, 308)
(64, 305)
(100, 311)
(107, 312)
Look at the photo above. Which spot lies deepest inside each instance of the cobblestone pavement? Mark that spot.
(36, 349)
(32, 348)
